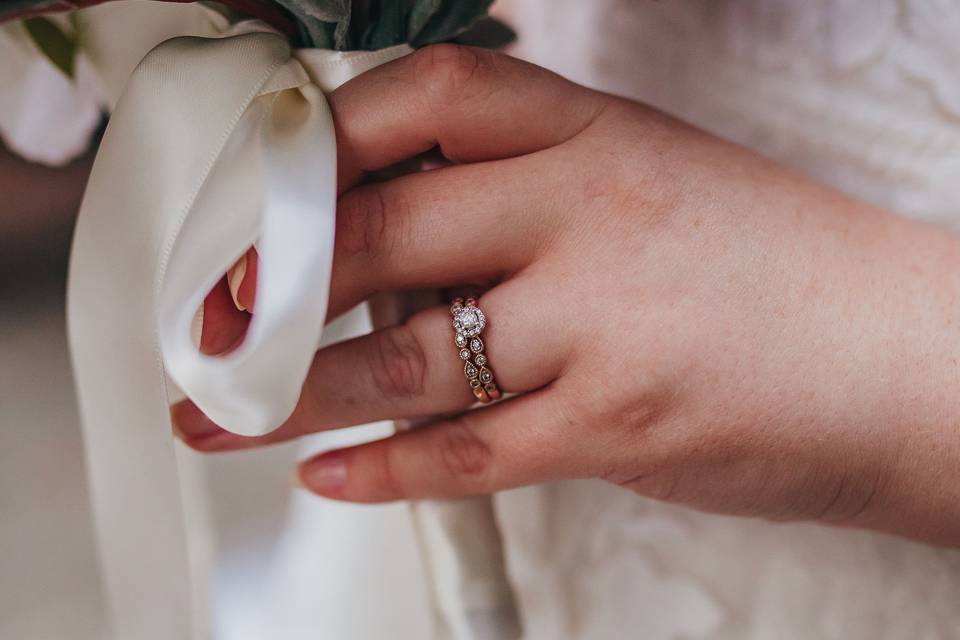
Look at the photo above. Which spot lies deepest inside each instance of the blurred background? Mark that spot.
(48, 577)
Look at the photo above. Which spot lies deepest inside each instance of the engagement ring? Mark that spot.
(468, 323)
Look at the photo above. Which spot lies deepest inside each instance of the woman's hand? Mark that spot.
(677, 315)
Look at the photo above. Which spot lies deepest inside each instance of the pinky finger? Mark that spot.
(521, 441)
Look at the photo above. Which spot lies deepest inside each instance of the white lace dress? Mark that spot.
(861, 94)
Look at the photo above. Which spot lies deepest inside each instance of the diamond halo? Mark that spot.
(469, 321)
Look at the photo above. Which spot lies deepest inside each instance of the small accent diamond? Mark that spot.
(480, 360)
(465, 354)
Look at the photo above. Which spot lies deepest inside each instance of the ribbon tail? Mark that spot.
(463, 553)
(177, 114)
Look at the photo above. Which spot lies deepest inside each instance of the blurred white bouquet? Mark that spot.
(62, 72)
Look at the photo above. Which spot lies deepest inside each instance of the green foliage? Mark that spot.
(343, 25)
(449, 20)
(376, 24)
(50, 39)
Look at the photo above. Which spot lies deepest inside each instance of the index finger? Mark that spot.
(475, 104)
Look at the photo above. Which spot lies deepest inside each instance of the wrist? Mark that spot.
(915, 489)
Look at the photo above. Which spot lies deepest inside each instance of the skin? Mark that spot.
(676, 314)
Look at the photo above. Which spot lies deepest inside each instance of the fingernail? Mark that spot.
(193, 424)
(296, 482)
(325, 473)
(235, 279)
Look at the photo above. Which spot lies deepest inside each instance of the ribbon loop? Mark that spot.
(275, 181)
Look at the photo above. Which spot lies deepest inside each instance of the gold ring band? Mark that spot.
(468, 323)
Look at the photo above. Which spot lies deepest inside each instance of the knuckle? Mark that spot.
(616, 409)
(361, 221)
(639, 171)
(852, 496)
(374, 222)
(663, 487)
(443, 71)
(625, 428)
(398, 363)
(466, 457)
(390, 481)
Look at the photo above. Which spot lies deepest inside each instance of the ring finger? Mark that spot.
(409, 370)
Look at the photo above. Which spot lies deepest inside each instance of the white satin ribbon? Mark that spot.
(216, 143)
(279, 187)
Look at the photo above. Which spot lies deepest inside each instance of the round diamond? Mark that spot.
(470, 321)
(465, 354)
(480, 360)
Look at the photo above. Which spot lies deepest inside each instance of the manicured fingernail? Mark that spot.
(235, 279)
(193, 424)
(247, 292)
(325, 473)
(296, 482)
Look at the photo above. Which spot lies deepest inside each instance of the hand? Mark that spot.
(677, 315)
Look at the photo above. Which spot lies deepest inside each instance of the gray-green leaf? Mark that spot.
(450, 20)
(420, 15)
(387, 25)
(318, 16)
(488, 33)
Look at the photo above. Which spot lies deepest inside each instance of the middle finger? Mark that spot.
(459, 224)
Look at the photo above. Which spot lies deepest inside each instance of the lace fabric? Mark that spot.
(862, 95)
